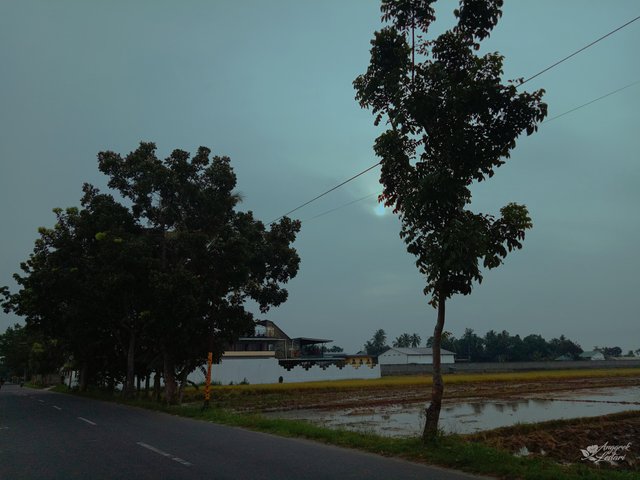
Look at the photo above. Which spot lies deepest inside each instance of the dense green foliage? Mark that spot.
(377, 344)
(504, 347)
(451, 122)
(151, 283)
(23, 352)
(407, 340)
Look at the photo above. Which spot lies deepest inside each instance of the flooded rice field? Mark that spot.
(474, 415)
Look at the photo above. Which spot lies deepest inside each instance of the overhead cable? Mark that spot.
(546, 121)
(521, 83)
(578, 51)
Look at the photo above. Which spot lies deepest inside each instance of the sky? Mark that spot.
(269, 84)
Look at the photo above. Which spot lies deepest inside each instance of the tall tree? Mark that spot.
(451, 122)
(212, 258)
(407, 340)
(403, 341)
(470, 345)
(15, 346)
(563, 346)
(83, 286)
(535, 347)
(377, 344)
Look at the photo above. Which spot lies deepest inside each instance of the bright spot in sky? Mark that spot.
(379, 210)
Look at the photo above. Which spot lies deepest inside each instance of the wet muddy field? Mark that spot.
(563, 419)
(474, 414)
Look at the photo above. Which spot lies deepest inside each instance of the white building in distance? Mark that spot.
(406, 356)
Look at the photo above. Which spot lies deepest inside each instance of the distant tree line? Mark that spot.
(144, 286)
(493, 346)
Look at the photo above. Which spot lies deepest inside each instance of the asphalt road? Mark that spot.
(46, 435)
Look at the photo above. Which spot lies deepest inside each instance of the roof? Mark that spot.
(261, 339)
(307, 340)
(564, 357)
(590, 354)
(420, 351)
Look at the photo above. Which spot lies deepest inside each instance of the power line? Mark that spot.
(592, 101)
(328, 191)
(521, 83)
(546, 121)
(342, 206)
(578, 51)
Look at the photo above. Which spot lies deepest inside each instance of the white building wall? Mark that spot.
(447, 359)
(391, 357)
(268, 370)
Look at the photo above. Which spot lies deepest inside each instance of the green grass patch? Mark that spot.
(35, 386)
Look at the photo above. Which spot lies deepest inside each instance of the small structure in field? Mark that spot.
(407, 356)
(595, 355)
(564, 358)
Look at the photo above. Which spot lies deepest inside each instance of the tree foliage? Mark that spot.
(155, 284)
(407, 340)
(504, 347)
(451, 122)
(378, 343)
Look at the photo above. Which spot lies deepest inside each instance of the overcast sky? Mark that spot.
(270, 85)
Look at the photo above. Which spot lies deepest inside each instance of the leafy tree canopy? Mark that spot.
(451, 122)
(378, 343)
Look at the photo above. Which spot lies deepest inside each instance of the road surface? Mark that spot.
(47, 435)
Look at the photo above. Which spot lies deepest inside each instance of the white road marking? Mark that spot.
(56, 407)
(88, 421)
(164, 454)
(41, 401)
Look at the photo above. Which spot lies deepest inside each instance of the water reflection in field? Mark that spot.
(477, 414)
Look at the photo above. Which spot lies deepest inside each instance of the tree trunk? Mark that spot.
(170, 386)
(82, 381)
(182, 382)
(437, 389)
(156, 386)
(207, 380)
(207, 383)
(147, 380)
(130, 382)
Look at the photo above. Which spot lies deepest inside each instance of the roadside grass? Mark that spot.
(451, 451)
(36, 386)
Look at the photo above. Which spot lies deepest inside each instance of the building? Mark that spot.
(419, 356)
(564, 358)
(268, 337)
(591, 356)
(271, 356)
